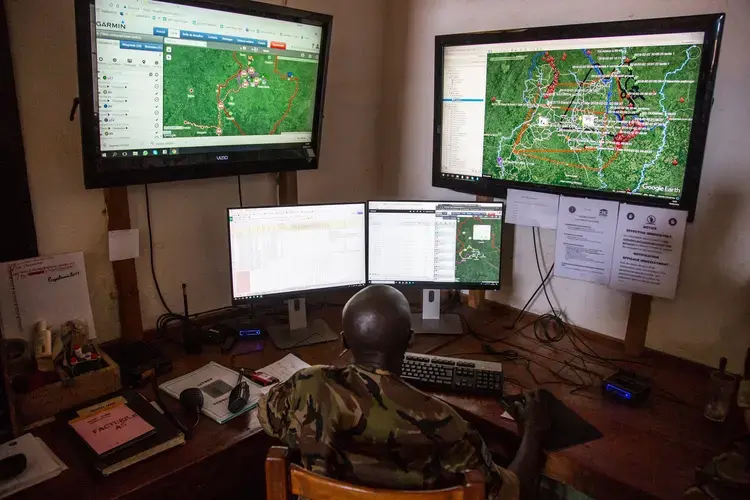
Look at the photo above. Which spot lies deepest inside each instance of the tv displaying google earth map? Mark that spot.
(621, 116)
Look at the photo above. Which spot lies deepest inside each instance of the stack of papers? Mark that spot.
(41, 464)
(283, 370)
(216, 383)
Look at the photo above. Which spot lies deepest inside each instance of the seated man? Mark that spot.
(362, 424)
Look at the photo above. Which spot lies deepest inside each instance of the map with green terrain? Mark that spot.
(478, 249)
(614, 119)
(212, 92)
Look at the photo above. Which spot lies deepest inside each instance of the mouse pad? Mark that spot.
(567, 427)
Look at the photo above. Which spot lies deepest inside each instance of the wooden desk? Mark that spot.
(646, 453)
(649, 452)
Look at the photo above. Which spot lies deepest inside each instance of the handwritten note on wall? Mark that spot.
(52, 289)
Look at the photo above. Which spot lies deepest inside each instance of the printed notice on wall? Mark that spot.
(648, 250)
(527, 208)
(585, 239)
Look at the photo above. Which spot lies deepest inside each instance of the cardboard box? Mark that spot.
(44, 403)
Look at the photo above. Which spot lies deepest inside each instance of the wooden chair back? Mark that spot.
(283, 481)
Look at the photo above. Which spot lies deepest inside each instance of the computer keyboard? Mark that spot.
(452, 374)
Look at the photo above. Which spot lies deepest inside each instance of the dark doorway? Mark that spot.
(18, 233)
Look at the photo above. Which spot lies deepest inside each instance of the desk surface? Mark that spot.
(645, 453)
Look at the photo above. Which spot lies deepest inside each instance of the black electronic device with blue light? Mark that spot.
(244, 328)
(238, 330)
(627, 388)
(250, 333)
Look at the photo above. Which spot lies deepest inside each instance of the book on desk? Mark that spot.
(119, 430)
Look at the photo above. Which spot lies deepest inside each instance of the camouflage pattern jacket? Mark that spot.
(371, 428)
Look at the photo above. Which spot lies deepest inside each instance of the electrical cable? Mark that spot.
(467, 326)
(188, 432)
(544, 323)
(549, 330)
(524, 310)
(151, 252)
(453, 299)
(197, 421)
(668, 396)
(514, 356)
(164, 320)
(239, 189)
(585, 351)
(303, 341)
(505, 355)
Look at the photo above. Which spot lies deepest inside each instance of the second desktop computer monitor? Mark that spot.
(435, 245)
(288, 251)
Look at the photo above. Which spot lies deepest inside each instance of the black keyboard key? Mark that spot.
(443, 362)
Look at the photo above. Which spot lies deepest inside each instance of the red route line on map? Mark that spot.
(291, 100)
(620, 137)
(574, 165)
(582, 150)
(219, 100)
(237, 125)
(526, 125)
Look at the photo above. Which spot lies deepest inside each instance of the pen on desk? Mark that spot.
(343, 353)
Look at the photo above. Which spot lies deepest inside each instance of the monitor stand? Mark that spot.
(431, 321)
(298, 332)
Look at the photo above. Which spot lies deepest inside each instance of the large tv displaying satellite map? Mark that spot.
(609, 110)
(181, 89)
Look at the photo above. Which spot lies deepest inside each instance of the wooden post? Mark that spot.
(126, 279)
(476, 297)
(288, 188)
(635, 334)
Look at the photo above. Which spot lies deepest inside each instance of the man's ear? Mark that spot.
(343, 341)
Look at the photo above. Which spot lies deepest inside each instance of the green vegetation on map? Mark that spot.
(212, 92)
(615, 119)
(478, 249)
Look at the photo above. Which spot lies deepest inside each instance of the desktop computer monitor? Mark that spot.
(290, 251)
(435, 245)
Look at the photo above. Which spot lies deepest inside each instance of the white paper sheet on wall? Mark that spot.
(528, 208)
(585, 239)
(648, 250)
(53, 289)
(124, 244)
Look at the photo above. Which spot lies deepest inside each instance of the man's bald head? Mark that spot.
(377, 327)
